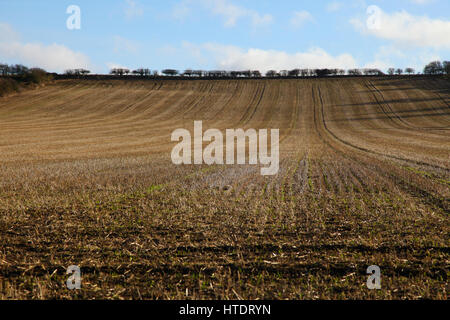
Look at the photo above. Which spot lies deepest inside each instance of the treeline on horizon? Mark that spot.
(36, 75)
(15, 77)
(433, 68)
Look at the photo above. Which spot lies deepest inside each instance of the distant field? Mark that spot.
(86, 179)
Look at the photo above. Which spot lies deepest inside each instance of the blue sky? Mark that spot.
(225, 34)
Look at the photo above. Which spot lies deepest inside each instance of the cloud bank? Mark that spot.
(229, 57)
(53, 57)
(408, 30)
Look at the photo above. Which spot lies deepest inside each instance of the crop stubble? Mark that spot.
(86, 179)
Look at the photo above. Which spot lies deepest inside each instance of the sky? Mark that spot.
(224, 34)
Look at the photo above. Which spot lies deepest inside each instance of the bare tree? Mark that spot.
(434, 67)
(188, 73)
(354, 72)
(20, 70)
(246, 73)
(304, 72)
(143, 72)
(446, 66)
(391, 71)
(323, 72)
(4, 69)
(119, 71)
(14, 70)
(271, 73)
(77, 72)
(294, 73)
(333, 72)
(409, 70)
(170, 72)
(217, 74)
(372, 72)
(256, 74)
(399, 71)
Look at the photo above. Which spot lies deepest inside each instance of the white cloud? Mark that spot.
(408, 30)
(300, 18)
(334, 6)
(391, 56)
(53, 57)
(230, 12)
(229, 57)
(133, 9)
(384, 58)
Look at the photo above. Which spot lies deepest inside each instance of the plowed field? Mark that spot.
(86, 179)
